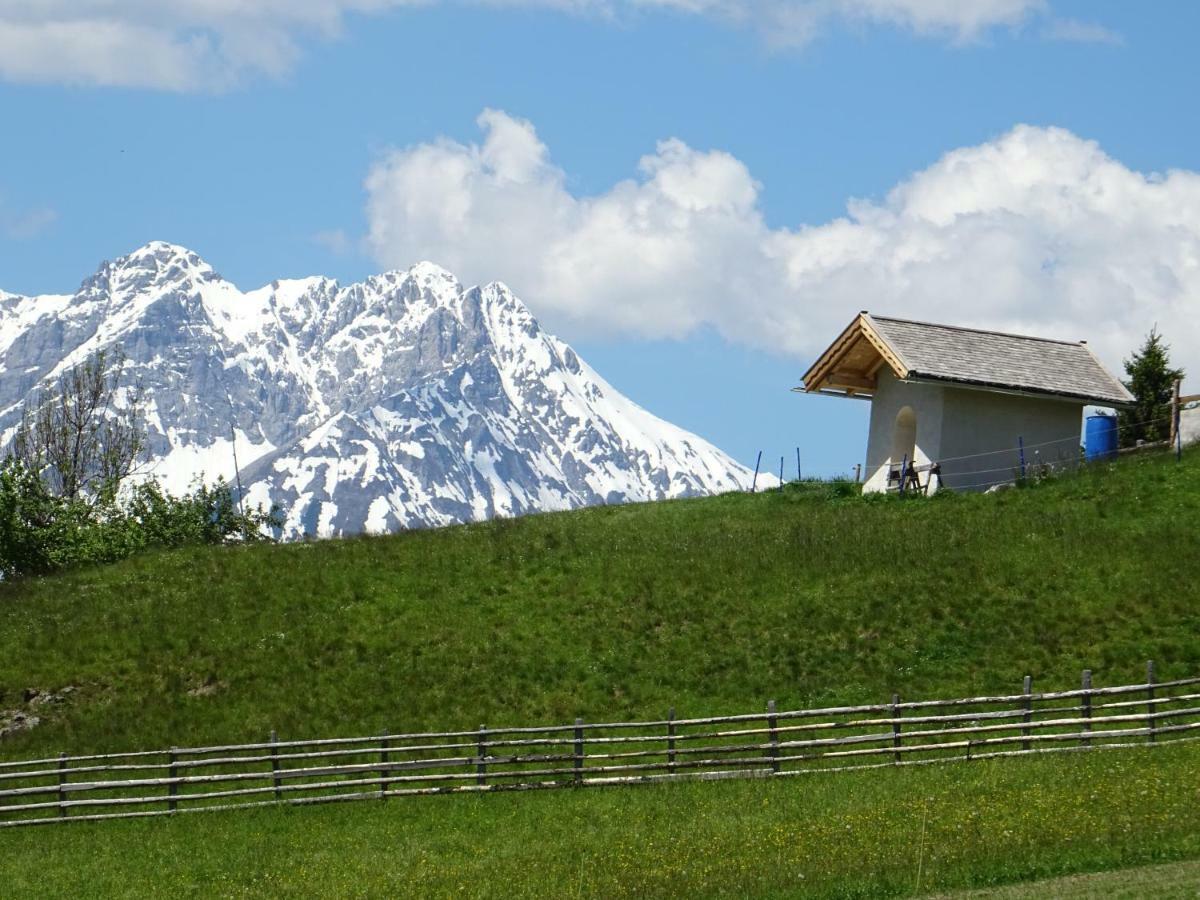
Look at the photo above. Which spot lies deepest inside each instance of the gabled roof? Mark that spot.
(968, 357)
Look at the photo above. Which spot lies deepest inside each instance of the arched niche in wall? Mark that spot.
(904, 435)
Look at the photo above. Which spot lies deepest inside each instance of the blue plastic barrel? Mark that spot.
(1100, 438)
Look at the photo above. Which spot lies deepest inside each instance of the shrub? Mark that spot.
(42, 532)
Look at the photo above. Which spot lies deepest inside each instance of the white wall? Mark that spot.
(954, 422)
(983, 422)
(890, 397)
(1189, 423)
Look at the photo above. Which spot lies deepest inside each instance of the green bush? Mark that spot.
(42, 532)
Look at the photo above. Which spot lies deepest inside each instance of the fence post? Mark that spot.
(1027, 705)
(781, 474)
(1176, 421)
(579, 751)
(903, 473)
(896, 725)
(1173, 424)
(173, 786)
(799, 476)
(773, 737)
(481, 766)
(757, 463)
(1087, 705)
(275, 779)
(857, 473)
(1151, 706)
(1021, 453)
(384, 759)
(671, 740)
(62, 782)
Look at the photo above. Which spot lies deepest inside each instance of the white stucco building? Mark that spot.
(1189, 419)
(959, 402)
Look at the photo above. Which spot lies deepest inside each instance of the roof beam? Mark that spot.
(820, 369)
(825, 371)
(851, 380)
(899, 366)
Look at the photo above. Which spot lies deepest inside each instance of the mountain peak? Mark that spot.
(157, 254)
(426, 270)
(157, 264)
(403, 400)
(429, 277)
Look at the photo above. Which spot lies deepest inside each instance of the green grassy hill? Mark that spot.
(808, 596)
(715, 605)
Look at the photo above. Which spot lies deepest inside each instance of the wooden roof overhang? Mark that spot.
(850, 366)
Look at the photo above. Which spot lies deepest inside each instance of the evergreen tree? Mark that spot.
(1152, 383)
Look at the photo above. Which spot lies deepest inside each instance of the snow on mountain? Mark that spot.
(403, 401)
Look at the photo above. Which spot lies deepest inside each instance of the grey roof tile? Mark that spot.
(994, 359)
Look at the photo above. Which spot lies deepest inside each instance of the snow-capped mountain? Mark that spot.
(404, 401)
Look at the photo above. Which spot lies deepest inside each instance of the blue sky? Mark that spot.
(297, 150)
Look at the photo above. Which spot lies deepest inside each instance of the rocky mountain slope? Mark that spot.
(403, 401)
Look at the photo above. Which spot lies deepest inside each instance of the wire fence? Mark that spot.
(766, 743)
(1037, 459)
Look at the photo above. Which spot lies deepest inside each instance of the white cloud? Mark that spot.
(1079, 32)
(19, 225)
(177, 45)
(214, 44)
(1037, 231)
(796, 22)
(335, 240)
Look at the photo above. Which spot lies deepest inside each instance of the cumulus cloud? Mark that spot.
(1037, 231)
(214, 44)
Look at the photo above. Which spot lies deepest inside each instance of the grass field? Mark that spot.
(810, 596)
(892, 833)
(712, 606)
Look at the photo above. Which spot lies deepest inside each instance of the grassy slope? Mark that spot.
(1165, 881)
(859, 834)
(709, 605)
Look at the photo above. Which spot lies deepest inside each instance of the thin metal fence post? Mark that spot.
(1021, 453)
(481, 766)
(757, 463)
(173, 786)
(671, 740)
(799, 475)
(579, 751)
(773, 728)
(1027, 706)
(896, 725)
(1086, 684)
(62, 782)
(903, 473)
(781, 474)
(1151, 706)
(275, 779)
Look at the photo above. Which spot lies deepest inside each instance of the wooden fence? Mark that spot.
(773, 743)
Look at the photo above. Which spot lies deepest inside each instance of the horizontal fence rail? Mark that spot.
(772, 743)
